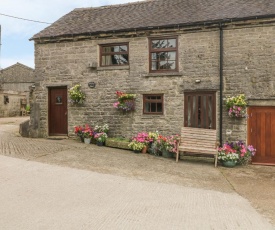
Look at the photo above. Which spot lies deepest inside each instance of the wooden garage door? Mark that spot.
(261, 134)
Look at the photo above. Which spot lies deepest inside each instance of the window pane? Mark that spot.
(154, 65)
(171, 43)
(123, 48)
(159, 107)
(171, 65)
(163, 65)
(106, 49)
(161, 55)
(155, 44)
(153, 107)
(171, 56)
(147, 107)
(154, 56)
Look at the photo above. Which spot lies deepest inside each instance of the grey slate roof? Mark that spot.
(153, 13)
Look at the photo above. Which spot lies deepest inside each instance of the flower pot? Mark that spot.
(144, 150)
(229, 164)
(87, 140)
(98, 143)
(81, 138)
(166, 154)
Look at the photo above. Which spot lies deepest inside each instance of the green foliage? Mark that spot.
(76, 95)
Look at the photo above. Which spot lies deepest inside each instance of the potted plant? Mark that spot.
(236, 106)
(76, 95)
(136, 146)
(167, 145)
(78, 130)
(244, 152)
(126, 101)
(87, 134)
(100, 138)
(101, 128)
(228, 156)
(143, 138)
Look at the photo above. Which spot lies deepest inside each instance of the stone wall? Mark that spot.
(68, 64)
(12, 108)
(248, 68)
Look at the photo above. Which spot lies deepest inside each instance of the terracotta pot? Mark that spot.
(144, 150)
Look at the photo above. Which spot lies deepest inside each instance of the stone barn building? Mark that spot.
(181, 58)
(15, 86)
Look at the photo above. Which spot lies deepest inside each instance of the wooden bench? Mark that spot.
(197, 140)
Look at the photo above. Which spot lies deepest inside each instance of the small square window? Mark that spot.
(153, 104)
(113, 55)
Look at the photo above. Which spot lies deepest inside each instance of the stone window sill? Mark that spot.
(174, 74)
(101, 68)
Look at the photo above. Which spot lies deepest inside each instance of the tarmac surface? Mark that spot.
(65, 184)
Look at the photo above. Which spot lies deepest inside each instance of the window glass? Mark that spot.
(153, 104)
(163, 55)
(114, 55)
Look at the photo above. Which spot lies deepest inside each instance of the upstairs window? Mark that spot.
(163, 54)
(114, 54)
(153, 104)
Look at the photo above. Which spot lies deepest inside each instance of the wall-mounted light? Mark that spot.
(33, 86)
(198, 81)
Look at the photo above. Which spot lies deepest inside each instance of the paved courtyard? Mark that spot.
(64, 184)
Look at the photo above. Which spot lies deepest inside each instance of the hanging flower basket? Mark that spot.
(76, 95)
(126, 101)
(236, 106)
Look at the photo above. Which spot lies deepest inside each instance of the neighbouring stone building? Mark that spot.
(15, 86)
(181, 58)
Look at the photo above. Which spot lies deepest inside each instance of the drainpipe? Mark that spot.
(221, 80)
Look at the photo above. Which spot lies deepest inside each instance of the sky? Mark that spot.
(15, 33)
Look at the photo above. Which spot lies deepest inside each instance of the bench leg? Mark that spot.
(177, 157)
(216, 160)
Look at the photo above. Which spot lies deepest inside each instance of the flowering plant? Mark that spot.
(78, 130)
(126, 101)
(101, 137)
(87, 132)
(238, 148)
(76, 95)
(136, 146)
(101, 129)
(168, 143)
(226, 153)
(236, 106)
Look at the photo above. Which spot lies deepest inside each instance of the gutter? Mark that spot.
(221, 80)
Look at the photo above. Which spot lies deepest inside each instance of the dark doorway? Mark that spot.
(200, 110)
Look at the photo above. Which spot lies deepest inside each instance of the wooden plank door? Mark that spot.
(58, 121)
(261, 134)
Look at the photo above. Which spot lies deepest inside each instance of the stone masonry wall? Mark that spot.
(68, 64)
(249, 68)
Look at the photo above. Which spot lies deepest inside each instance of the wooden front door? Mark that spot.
(58, 122)
(200, 110)
(261, 134)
